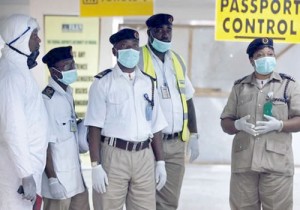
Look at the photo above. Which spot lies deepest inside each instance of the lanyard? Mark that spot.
(162, 70)
(71, 102)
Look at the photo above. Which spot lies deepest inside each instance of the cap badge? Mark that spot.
(170, 20)
(265, 41)
(136, 35)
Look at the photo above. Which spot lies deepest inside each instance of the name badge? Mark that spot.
(165, 92)
(73, 126)
(149, 112)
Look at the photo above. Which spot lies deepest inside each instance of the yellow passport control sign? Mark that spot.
(94, 8)
(241, 20)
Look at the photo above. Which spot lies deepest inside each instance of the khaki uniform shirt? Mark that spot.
(270, 152)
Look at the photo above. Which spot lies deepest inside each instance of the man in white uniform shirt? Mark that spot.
(175, 93)
(125, 120)
(23, 117)
(63, 185)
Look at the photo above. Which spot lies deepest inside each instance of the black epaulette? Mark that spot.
(285, 76)
(48, 91)
(239, 80)
(103, 73)
(154, 79)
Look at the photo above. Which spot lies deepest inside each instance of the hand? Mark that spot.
(193, 146)
(160, 174)
(242, 124)
(57, 190)
(99, 179)
(272, 124)
(29, 187)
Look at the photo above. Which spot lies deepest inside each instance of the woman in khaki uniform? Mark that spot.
(262, 111)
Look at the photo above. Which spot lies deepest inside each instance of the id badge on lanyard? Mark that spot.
(73, 125)
(165, 92)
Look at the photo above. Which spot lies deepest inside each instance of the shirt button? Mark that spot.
(261, 91)
(259, 105)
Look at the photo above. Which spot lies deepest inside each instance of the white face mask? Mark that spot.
(265, 65)
(160, 46)
(68, 77)
(128, 57)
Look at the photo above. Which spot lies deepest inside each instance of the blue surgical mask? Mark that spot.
(160, 46)
(68, 77)
(265, 65)
(128, 57)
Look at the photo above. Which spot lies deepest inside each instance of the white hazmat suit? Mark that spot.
(23, 117)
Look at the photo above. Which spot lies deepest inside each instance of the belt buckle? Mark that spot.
(141, 145)
(134, 146)
(111, 141)
(126, 148)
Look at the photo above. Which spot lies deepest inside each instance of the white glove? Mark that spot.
(29, 188)
(272, 124)
(242, 124)
(160, 174)
(57, 190)
(193, 146)
(99, 179)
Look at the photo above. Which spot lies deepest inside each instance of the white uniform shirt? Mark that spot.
(63, 142)
(23, 118)
(118, 106)
(172, 107)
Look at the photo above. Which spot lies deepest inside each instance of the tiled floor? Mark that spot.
(205, 187)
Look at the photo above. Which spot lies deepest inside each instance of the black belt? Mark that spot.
(170, 136)
(126, 145)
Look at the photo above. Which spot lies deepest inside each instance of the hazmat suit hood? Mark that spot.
(16, 30)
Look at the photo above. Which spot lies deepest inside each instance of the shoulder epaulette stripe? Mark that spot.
(239, 80)
(285, 76)
(48, 91)
(103, 73)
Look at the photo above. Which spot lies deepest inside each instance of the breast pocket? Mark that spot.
(244, 105)
(280, 110)
(64, 129)
(117, 105)
(244, 99)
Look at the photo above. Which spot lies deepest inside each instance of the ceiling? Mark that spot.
(14, 1)
(158, 3)
(184, 3)
(181, 9)
(184, 11)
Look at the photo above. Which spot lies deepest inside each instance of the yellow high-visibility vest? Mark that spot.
(147, 67)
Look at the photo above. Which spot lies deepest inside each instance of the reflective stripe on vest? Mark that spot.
(147, 66)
